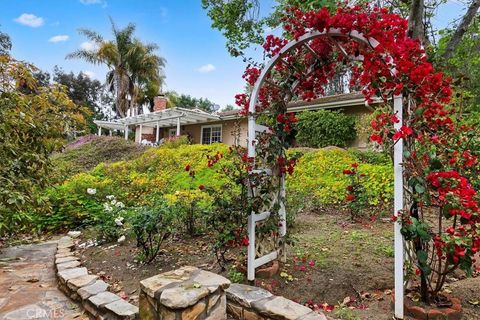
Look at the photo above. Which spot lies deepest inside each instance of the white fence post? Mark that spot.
(398, 206)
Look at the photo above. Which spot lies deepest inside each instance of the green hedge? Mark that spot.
(318, 129)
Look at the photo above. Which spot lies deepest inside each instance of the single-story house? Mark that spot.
(205, 128)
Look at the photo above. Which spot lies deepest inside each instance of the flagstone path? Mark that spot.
(28, 286)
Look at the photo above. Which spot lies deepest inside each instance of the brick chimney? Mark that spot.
(159, 103)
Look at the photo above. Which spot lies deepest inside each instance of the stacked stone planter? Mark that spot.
(253, 303)
(85, 288)
(187, 293)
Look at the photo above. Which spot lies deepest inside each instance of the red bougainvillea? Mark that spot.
(438, 163)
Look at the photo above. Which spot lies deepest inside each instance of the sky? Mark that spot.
(45, 31)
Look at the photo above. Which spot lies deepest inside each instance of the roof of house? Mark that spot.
(327, 102)
(163, 119)
(169, 117)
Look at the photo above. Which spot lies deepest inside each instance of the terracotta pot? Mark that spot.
(420, 311)
(264, 272)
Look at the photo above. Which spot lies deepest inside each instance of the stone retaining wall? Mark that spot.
(87, 289)
(187, 293)
(253, 303)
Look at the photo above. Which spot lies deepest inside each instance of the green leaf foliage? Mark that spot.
(318, 177)
(35, 121)
(159, 173)
(318, 129)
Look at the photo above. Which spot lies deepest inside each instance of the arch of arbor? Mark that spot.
(337, 39)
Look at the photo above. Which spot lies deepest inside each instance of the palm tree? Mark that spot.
(134, 75)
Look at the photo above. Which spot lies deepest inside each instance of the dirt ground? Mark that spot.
(334, 264)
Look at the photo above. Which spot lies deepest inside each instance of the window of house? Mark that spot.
(211, 134)
(172, 132)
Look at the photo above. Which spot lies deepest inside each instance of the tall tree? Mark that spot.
(5, 43)
(84, 92)
(34, 121)
(241, 23)
(461, 29)
(134, 68)
(189, 102)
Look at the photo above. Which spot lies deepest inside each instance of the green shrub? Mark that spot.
(108, 223)
(159, 173)
(319, 179)
(151, 226)
(174, 142)
(235, 276)
(318, 129)
(370, 156)
(87, 152)
(34, 122)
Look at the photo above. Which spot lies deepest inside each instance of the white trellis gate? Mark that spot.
(253, 128)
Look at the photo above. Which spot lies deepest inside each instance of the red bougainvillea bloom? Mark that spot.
(438, 165)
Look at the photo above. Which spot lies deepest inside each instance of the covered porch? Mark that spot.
(149, 126)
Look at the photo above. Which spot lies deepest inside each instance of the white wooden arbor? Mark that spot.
(253, 129)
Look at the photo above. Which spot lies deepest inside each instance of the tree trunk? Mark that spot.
(461, 29)
(416, 27)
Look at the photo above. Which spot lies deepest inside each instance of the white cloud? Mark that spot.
(90, 74)
(30, 20)
(89, 2)
(58, 38)
(206, 68)
(89, 46)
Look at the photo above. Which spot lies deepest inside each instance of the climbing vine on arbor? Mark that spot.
(438, 161)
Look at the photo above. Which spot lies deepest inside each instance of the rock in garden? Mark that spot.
(211, 281)
(182, 297)
(93, 289)
(122, 309)
(74, 234)
(246, 295)
(68, 265)
(66, 259)
(103, 298)
(68, 274)
(77, 283)
(121, 239)
(282, 308)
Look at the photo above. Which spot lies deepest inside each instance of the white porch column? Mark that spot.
(141, 129)
(157, 137)
(126, 132)
(99, 131)
(178, 127)
(398, 206)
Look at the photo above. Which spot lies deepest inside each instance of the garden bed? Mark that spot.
(334, 264)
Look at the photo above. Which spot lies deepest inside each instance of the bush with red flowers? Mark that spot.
(439, 159)
(356, 197)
